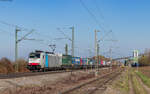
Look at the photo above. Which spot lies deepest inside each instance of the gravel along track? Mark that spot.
(95, 86)
(26, 74)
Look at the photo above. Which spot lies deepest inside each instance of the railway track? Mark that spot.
(96, 85)
(26, 74)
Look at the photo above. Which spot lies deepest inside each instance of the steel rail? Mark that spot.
(27, 74)
(90, 82)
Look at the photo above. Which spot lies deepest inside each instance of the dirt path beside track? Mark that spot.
(131, 90)
(47, 84)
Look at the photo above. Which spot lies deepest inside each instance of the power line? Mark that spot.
(105, 36)
(99, 12)
(102, 16)
(64, 34)
(14, 25)
(4, 31)
(92, 15)
(23, 29)
(98, 9)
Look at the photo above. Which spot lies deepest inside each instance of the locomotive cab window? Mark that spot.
(32, 56)
(37, 55)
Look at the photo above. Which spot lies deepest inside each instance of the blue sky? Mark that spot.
(128, 19)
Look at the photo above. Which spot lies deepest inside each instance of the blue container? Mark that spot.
(76, 60)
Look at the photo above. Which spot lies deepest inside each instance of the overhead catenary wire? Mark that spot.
(5, 31)
(98, 9)
(22, 29)
(92, 15)
(99, 12)
(104, 36)
(102, 16)
(14, 25)
(64, 34)
(95, 18)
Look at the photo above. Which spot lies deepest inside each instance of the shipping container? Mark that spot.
(66, 60)
(76, 60)
(101, 62)
(84, 61)
(81, 63)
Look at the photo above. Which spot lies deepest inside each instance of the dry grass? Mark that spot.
(6, 66)
(54, 88)
(138, 88)
(22, 65)
(122, 83)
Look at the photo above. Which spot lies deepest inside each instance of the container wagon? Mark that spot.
(84, 62)
(76, 62)
(66, 61)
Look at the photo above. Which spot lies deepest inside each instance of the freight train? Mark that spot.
(42, 61)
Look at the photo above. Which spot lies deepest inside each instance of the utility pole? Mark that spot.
(72, 41)
(66, 49)
(16, 47)
(96, 49)
(98, 55)
(90, 53)
(16, 43)
(95, 45)
(110, 50)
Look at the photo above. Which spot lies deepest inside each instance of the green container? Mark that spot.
(66, 60)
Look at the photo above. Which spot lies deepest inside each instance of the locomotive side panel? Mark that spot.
(53, 60)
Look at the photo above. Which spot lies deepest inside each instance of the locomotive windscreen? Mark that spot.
(34, 55)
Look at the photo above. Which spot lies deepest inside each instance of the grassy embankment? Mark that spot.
(138, 88)
(122, 83)
(144, 78)
(128, 82)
